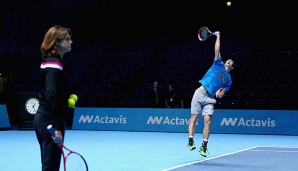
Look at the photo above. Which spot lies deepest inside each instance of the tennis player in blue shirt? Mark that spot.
(214, 84)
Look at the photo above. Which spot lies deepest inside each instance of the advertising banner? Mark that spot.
(176, 120)
(4, 121)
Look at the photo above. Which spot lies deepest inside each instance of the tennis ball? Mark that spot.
(74, 97)
(71, 103)
(229, 3)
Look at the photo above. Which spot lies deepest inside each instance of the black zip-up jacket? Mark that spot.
(52, 92)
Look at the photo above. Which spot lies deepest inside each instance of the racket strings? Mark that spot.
(75, 162)
(204, 34)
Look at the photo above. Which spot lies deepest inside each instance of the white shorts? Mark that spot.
(202, 103)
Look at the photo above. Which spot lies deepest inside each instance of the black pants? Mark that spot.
(50, 151)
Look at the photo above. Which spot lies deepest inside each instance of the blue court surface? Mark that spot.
(156, 151)
(256, 158)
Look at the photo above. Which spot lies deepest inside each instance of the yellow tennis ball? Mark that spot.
(229, 3)
(74, 97)
(71, 103)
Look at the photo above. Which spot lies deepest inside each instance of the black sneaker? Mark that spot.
(191, 144)
(203, 150)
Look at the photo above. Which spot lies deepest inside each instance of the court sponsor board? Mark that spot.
(4, 121)
(176, 120)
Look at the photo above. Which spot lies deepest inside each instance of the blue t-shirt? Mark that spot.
(216, 77)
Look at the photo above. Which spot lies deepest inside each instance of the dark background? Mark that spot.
(121, 47)
(132, 19)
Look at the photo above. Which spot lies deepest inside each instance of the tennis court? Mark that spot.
(256, 158)
(155, 151)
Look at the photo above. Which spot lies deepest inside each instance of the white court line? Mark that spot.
(276, 151)
(284, 151)
(208, 159)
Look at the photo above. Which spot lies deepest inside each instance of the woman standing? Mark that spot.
(52, 96)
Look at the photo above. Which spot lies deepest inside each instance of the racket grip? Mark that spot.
(213, 33)
(51, 130)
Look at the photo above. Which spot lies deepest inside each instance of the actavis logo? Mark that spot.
(155, 120)
(247, 122)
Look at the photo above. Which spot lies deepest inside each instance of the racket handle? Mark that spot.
(51, 130)
(213, 33)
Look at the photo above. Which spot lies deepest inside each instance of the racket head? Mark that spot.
(204, 33)
(74, 161)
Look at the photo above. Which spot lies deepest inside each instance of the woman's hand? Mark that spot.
(58, 139)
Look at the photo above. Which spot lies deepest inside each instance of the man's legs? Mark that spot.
(206, 134)
(191, 131)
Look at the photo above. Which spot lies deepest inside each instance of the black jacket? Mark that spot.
(52, 92)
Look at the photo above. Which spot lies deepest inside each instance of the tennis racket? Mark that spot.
(72, 161)
(204, 33)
